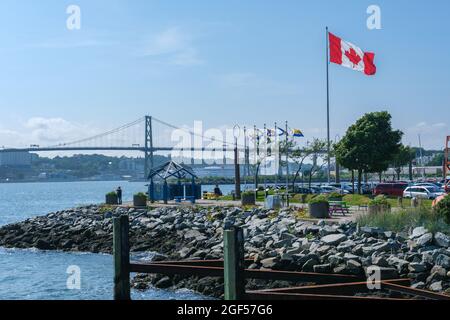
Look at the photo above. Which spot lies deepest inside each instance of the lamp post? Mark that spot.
(237, 173)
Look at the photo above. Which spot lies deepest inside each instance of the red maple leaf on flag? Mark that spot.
(353, 56)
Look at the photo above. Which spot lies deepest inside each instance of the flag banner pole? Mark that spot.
(328, 107)
(265, 157)
(275, 161)
(287, 165)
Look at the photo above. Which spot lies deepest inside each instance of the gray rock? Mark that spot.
(436, 286)
(346, 246)
(353, 264)
(386, 273)
(437, 273)
(326, 230)
(418, 232)
(269, 263)
(443, 261)
(442, 240)
(322, 249)
(42, 245)
(417, 267)
(370, 231)
(333, 239)
(194, 234)
(418, 285)
(380, 261)
(163, 283)
(424, 239)
(322, 268)
(309, 265)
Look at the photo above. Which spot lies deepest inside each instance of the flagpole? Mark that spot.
(328, 107)
(287, 166)
(275, 154)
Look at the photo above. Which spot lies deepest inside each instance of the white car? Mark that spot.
(424, 192)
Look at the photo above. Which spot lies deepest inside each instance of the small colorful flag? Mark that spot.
(282, 132)
(297, 133)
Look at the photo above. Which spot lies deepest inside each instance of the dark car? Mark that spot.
(302, 190)
(390, 189)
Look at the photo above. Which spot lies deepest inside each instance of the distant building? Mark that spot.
(132, 165)
(16, 159)
(226, 171)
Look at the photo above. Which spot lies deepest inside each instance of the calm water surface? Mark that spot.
(33, 274)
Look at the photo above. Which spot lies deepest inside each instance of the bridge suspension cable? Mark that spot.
(101, 135)
(225, 143)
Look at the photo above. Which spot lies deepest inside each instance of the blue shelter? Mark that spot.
(159, 189)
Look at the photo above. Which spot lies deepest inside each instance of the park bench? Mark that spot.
(338, 207)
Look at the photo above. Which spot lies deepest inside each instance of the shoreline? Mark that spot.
(274, 240)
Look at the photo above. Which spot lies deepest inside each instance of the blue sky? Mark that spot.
(222, 62)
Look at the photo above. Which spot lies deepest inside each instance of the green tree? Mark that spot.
(369, 144)
(403, 157)
(316, 149)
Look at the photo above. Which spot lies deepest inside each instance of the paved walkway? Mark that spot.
(354, 211)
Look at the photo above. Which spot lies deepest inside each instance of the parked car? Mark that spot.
(390, 189)
(303, 190)
(315, 190)
(424, 192)
(331, 189)
(343, 186)
(428, 184)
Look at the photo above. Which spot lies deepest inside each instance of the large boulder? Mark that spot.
(442, 240)
(418, 232)
(333, 239)
(443, 261)
(424, 239)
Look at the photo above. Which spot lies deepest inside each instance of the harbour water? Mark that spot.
(33, 274)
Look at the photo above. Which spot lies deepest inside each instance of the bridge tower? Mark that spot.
(148, 161)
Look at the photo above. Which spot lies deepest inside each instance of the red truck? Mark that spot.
(390, 189)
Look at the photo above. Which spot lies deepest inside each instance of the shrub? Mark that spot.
(319, 199)
(111, 194)
(334, 195)
(404, 220)
(442, 209)
(141, 195)
(381, 201)
(356, 199)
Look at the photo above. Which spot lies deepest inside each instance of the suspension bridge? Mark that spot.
(148, 135)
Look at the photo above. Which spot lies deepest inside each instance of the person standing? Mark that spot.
(119, 195)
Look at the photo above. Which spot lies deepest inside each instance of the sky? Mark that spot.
(220, 62)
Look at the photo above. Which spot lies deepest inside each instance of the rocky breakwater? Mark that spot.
(274, 240)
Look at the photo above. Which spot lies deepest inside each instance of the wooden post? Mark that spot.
(233, 249)
(121, 253)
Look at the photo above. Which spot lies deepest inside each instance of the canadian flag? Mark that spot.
(348, 55)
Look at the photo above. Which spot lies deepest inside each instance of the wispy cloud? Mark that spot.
(44, 131)
(175, 46)
(432, 134)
